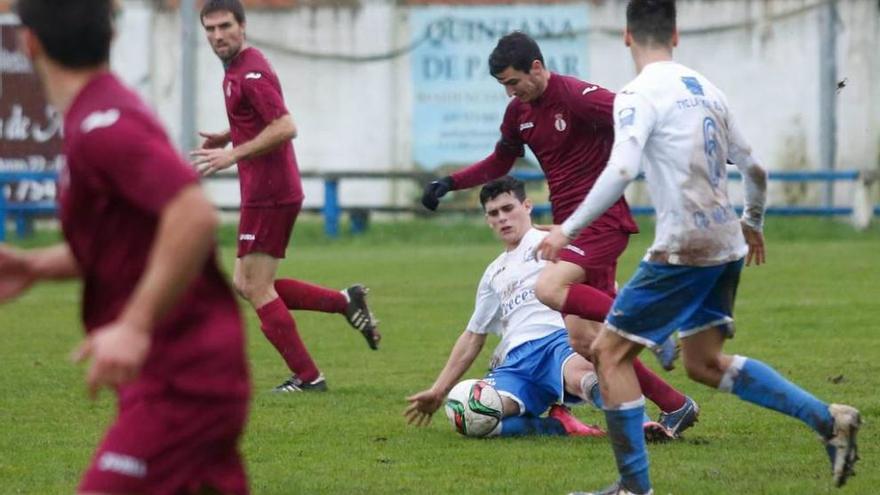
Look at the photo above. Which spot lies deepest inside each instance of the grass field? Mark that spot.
(812, 312)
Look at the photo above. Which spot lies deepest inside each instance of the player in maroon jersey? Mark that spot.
(568, 124)
(163, 328)
(260, 130)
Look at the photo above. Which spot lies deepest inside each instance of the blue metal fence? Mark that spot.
(332, 210)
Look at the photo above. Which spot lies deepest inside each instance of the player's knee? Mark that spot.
(703, 370)
(582, 343)
(246, 288)
(549, 293)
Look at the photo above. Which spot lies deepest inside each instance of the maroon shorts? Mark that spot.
(597, 255)
(266, 230)
(162, 445)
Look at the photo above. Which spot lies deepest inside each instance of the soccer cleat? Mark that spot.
(359, 316)
(667, 353)
(573, 426)
(656, 433)
(841, 447)
(615, 489)
(682, 419)
(294, 384)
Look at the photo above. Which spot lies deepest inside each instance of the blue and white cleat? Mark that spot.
(682, 419)
(841, 447)
(615, 489)
(667, 353)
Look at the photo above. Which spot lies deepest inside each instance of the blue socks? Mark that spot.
(755, 382)
(517, 426)
(628, 442)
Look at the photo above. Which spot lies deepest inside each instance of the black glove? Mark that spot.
(436, 190)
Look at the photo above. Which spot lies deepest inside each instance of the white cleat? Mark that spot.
(841, 447)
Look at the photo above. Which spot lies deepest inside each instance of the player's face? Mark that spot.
(509, 217)
(224, 33)
(526, 86)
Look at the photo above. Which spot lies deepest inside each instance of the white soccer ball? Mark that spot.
(474, 408)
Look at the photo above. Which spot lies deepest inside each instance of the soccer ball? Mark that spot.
(474, 408)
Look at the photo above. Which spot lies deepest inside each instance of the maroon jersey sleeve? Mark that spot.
(264, 96)
(591, 103)
(132, 158)
(507, 150)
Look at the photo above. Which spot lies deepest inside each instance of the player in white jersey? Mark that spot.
(677, 124)
(537, 366)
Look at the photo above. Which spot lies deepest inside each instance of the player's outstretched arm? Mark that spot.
(19, 269)
(422, 405)
(279, 131)
(622, 168)
(184, 240)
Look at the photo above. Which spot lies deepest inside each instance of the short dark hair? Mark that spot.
(233, 6)
(497, 187)
(651, 21)
(517, 50)
(74, 33)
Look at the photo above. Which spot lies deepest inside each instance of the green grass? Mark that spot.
(812, 312)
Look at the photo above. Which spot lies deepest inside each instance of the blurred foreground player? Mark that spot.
(260, 131)
(163, 328)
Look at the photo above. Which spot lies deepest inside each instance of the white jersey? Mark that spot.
(506, 302)
(684, 124)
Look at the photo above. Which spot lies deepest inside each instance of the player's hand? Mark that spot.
(550, 246)
(16, 274)
(210, 161)
(436, 190)
(117, 351)
(422, 406)
(755, 240)
(215, 139)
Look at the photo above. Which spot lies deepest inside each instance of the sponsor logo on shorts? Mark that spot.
(575, 249)
(122, 464)
(253, 75)
(526, 125)
(247, 237)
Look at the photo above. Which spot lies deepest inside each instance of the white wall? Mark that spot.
(356, 115)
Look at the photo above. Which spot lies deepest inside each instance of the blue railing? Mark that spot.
(780, 176)
(332, 210)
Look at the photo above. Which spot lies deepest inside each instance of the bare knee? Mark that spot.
(550, 293)
(707, 370)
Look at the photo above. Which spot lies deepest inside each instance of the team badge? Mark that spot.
(560, 123)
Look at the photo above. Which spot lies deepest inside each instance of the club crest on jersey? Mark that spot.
(229, 89)
(560, 124)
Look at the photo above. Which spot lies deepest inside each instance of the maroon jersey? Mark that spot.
(121, 172)
(253, 101)
(570, 128)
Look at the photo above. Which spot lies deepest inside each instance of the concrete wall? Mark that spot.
(357, 115)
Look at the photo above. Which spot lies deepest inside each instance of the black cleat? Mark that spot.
(294, 384)
(359, 316)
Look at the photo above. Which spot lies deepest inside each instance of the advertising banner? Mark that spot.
(457, 104)
(30, 129)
